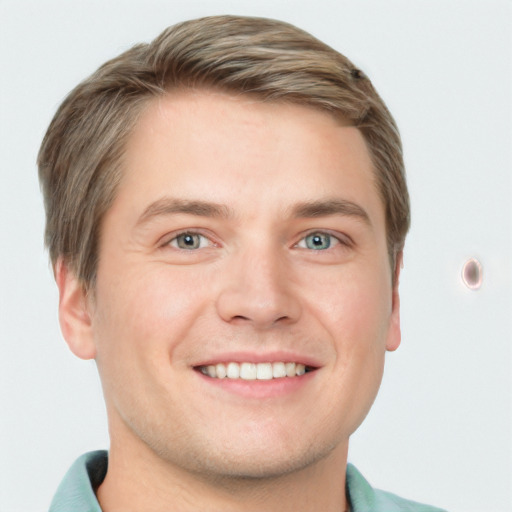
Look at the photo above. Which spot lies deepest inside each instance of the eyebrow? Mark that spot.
(169, 206)
(307, 209)
(323, 208)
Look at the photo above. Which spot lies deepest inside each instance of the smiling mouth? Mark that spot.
(255, 371)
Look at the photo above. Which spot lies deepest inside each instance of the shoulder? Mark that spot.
(364, 498)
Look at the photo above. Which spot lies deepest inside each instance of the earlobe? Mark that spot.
(74, 312)
(395, 333)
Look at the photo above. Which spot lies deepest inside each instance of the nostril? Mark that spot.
(261, 306)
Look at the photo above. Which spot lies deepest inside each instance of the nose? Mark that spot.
(258, 290)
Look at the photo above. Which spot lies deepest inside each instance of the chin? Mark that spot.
(249, 460)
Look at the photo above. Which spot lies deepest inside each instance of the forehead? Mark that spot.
(234, 149)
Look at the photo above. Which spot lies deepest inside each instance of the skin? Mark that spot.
(255, 288)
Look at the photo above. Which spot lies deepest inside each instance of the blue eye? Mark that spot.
(317, 241)
(189, 241)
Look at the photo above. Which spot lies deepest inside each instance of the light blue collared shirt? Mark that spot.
(76, 493)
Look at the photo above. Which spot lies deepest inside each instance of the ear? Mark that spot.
(395, 333)
(74, 312)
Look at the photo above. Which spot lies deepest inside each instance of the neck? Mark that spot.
(137, 479)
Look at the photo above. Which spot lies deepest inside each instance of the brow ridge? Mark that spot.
(170, 206)
(306, 209)
(322, 208)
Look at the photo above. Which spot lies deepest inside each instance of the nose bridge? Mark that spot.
(257, 288)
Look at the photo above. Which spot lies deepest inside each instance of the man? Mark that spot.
(226, 213)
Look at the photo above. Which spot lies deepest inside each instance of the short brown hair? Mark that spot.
(80, 156)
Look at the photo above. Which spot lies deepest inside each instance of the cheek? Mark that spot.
(354, 306)
(356, 317)
(138, 327)
(144, 314)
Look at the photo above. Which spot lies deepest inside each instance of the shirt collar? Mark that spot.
(77, 490)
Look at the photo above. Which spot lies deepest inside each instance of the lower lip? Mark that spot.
(260, 388)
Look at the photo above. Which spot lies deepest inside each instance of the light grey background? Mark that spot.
(441, 429)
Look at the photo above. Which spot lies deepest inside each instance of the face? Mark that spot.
(246, 238)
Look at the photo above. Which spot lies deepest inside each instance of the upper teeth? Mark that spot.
(254, 371)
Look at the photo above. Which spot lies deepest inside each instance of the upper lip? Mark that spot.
(260, 357)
